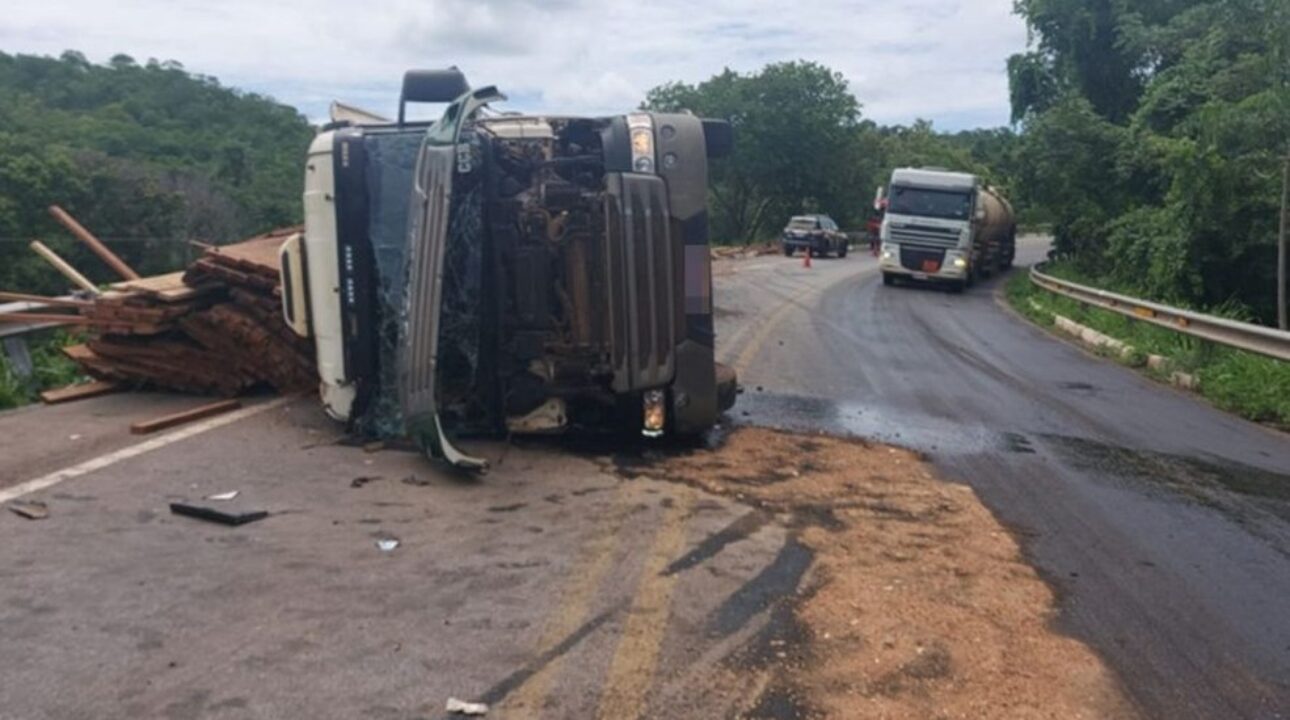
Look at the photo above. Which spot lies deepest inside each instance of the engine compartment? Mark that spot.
(525, 338)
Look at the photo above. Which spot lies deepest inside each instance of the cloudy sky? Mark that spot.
(936, 59)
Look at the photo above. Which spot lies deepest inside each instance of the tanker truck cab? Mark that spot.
(526, 274)
(943, 227)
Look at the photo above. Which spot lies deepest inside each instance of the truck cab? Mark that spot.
(944, 227)
(490, 273)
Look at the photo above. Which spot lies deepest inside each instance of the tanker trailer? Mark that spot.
(944, 227)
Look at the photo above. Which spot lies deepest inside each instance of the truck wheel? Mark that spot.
(959, 286)
(842, 251)
(788, 251)
(888, 279)
(727, 387)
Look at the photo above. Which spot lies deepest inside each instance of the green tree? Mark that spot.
(797, 146)
(1161, 161)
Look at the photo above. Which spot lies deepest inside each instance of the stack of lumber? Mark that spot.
(215, 328)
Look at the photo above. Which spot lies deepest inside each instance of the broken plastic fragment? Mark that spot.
(462, 707)
(387, 544)
(223, 496)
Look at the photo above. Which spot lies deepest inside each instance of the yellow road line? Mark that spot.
(798, 301)
(632, 671)
(581, 587)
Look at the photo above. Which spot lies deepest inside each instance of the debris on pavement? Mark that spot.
(217, 516)
(144, 427)
(415, 481)
(927, 603)
(362, 480)
(387, 544)
(79, 391)
(223, 496)
(30, 509)
(461, 707)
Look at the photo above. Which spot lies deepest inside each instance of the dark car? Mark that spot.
(818, 233)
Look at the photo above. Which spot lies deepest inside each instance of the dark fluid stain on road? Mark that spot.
(1206, 481)
(1082, 388)
(508, 684)
(507, 508)
(776, 581)
(783, 641)
(741, 528)
(1017, 443)
(920, 432)
(780, 703)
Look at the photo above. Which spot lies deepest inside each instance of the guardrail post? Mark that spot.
(19, 356)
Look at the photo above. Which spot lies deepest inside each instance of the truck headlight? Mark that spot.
(641, 128)
(655, 413)
(887, 253)
(960, 262)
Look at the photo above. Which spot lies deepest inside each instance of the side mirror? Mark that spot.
(431, 86)
(980, 213)
(719, 138)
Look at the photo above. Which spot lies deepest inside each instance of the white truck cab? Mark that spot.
(945, 227)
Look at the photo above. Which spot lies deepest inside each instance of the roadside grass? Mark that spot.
(1249, 385)
(51, 369)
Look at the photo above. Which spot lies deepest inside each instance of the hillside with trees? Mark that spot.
(149, 156)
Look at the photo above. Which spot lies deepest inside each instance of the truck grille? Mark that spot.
(642, 281)
(912, 258)
(925, 235)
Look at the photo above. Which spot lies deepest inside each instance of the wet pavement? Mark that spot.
(1163, 523)
(548, 589)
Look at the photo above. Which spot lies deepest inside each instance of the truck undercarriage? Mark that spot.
(492, 273)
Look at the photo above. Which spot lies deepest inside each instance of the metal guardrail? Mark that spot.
(12, 344)
(1244, 336)
(11, 329)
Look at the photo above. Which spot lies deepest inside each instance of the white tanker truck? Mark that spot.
(945, 227)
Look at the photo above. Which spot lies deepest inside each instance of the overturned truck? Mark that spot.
(490, 273)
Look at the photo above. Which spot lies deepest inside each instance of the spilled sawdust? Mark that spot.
(919, 604)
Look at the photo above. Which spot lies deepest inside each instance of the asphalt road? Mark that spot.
(1161, 521)
(554, 588)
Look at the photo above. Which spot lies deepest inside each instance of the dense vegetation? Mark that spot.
(1154, 133)
(147, 156)
(802, 145)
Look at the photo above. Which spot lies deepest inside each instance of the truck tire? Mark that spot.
(888, 279)
(958, 286)
(842, 251)
(727, 387)
(788, 250)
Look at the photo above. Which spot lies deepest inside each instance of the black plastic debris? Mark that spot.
(217, 516)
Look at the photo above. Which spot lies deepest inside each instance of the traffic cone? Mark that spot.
(806, 259)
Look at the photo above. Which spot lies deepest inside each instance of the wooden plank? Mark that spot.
(41, 299)
(31, 318)
(78, 392)
(166, 288)
(63, 266)
(168, 421)
(93, 243)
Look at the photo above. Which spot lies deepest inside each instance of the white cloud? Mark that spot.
(937, 59)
